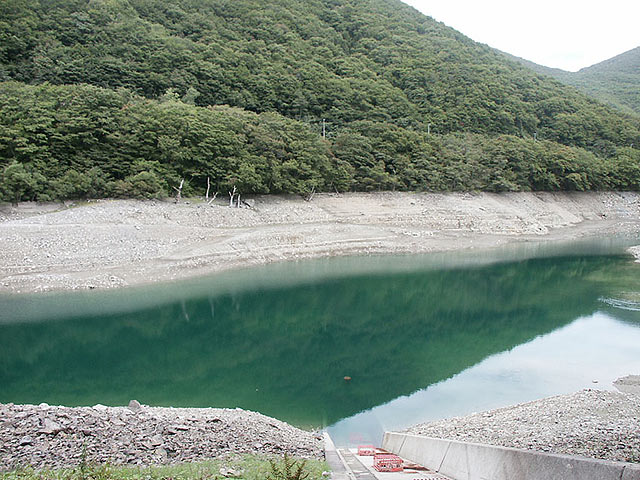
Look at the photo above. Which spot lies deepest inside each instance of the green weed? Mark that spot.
(250, 467)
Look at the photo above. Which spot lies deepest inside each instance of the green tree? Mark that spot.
(18, 183)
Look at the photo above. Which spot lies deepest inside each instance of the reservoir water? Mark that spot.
(422, 337)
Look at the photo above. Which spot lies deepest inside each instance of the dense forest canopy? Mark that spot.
(615, 81)
(126, 97)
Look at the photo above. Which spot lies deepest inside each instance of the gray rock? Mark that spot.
(200, 434)
(156, 440)
(628, 384)
(231, 472)
(50, 427)
(175, 429)
(160, 455)
(135, 406)
(10, 423)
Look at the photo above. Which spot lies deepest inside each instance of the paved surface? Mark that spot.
(346, 464)
(359, 471)
(336, 465)
(406, 474)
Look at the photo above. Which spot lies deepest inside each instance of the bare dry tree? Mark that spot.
(179, 191)
(212, 198)
(232, 195)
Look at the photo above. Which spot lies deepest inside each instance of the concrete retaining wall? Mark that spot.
(472, 461)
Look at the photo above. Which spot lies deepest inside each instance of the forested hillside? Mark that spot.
(126, 97)
(615, 81)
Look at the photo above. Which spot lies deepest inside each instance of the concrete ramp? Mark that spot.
(348, 464)
(472, 461)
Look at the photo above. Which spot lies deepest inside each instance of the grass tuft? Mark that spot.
(248, 467)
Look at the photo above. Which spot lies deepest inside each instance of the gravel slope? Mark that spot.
(590, 423)
(52, 437)
(111, 243)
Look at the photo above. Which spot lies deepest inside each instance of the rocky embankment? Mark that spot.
(635, 251)
(44, 436)
(113, 243)
(590, 423)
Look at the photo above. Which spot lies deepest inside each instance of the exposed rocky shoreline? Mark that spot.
(43, 436)
(114, 243)
(590, 423)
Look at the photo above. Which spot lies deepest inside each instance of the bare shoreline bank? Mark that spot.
(590, 423)
(115, 243)
(52, 437)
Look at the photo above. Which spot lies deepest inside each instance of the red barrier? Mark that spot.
(387, 462)
(366, 450)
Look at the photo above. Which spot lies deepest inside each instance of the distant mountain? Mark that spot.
(627, 62)
(615, 81)
(283, 96)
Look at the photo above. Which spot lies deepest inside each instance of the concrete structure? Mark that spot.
(472, 461)
(336, 464)
(405, 474)
(346, 464)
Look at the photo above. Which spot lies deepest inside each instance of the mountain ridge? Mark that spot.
(407, 102)
(615, 81)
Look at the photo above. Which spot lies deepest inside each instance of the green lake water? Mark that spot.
(421, 337)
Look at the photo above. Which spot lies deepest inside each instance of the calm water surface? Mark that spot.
(422, 337)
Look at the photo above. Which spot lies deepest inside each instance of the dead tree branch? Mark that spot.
(232, 195)
(310, 195)
(212, 198)
(179, 191)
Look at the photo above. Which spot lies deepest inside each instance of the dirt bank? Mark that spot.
(44, 436)
(111, 243)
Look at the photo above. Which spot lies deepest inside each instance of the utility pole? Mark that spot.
(324, 130)
(428, 129)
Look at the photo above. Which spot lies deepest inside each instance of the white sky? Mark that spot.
(567, 34)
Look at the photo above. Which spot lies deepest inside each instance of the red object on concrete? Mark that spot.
(387, 462)
(366, 450)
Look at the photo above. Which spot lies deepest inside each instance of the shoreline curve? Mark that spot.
(114, 243)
